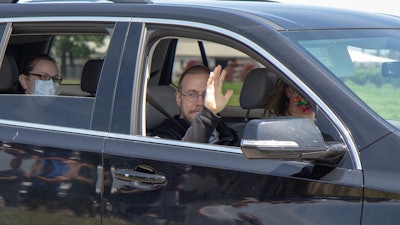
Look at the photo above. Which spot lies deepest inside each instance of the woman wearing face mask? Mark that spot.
(39, 75)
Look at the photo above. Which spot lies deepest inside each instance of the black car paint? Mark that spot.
(205, 180)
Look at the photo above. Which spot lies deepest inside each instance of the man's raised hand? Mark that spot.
(215, 100)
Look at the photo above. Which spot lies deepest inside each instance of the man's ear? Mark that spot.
(178, 99)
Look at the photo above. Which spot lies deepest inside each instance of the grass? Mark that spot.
(236, 87)
(22, 216)
(384, 99)
(9, 216)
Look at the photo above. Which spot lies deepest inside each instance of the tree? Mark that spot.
(68, 48)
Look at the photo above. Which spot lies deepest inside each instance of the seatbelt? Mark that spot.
(203, 53)
(157, 106)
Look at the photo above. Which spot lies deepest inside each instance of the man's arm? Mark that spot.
(207, 120)
(202, 127)
(170, 130)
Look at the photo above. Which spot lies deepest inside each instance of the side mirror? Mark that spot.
(289, 138)
(391, 69)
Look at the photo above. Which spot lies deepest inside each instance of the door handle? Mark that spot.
(142, 177)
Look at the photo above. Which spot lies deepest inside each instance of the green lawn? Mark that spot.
(236, 87)
(385, 100)
(10, 216)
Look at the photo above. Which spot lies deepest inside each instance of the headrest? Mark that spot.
(164, 95)
(90, 75)
(8, 73)
(258, 84)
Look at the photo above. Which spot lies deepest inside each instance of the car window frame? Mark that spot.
(99, 104)
(189, 31)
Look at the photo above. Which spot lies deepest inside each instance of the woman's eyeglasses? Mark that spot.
(55, 79)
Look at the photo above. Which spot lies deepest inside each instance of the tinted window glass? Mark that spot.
(71, 52)
(58, 110)
(366, 61)
(72, 49)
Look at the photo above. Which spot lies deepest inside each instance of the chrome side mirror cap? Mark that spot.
(289, 138)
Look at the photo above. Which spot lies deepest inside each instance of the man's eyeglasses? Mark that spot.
(55, 79)
(192, 96)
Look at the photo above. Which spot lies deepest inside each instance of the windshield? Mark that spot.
(366, 61)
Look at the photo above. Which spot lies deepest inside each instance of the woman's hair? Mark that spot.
(277, 101)
(28, 63)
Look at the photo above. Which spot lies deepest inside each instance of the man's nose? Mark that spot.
(200, 99)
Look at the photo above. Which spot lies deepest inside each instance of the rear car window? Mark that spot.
(78, 50)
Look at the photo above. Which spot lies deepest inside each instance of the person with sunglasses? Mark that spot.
(285, 101)
(200, 99)
(39, 75)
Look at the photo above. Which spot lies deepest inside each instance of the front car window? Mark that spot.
(237, 64)
(189, 52)
(366, 61)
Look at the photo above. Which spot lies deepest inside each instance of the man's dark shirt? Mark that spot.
(200, 131)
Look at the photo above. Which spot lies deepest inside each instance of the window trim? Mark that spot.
(258, 51)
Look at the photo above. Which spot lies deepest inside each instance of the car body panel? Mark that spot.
(329, 19)
(50, 185)
(201, 183)
(381, 181)
(125, 110)
(108, 79)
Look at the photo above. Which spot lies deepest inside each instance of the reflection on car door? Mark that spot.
(185, 183)
(47, 182)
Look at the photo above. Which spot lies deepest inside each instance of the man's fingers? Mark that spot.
(215, 77)
(221, 77)
(217, 70)
(210, 80)
(228, 95)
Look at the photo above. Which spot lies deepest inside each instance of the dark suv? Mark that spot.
(86, 157)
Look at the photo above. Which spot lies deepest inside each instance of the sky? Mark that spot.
(381, 6)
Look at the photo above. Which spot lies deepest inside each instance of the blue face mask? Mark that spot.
(57, 88)
(45, 87)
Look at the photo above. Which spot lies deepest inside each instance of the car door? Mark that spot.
(152, 180)
(51, 146)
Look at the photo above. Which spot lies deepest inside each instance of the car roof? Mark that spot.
(280, 16)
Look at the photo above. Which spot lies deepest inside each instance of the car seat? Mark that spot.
(258, 84)
(90, 75)
(163, 97)
(8, 74)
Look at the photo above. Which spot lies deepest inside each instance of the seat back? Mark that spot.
(8, 74)
(90, 75)
(164, 96)
(258, 84)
